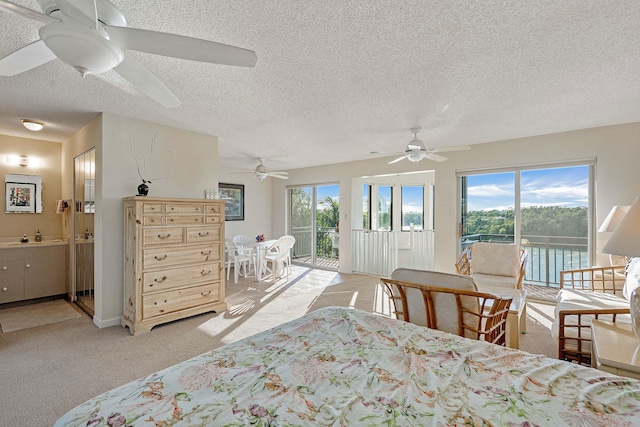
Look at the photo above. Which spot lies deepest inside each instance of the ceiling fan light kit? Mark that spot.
(82, 48)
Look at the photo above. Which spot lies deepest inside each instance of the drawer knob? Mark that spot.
(201, 234)
(5, 289)
(160, 280)
(28, 265)
(205, 294)
(205, 253)
(164, 237)
(160, 258)
(205, 273)
(4, 267)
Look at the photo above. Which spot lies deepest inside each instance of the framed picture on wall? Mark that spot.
(233, 194)
(20, 197)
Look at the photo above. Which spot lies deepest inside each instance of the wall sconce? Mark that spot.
(14, 160)
(32, 125)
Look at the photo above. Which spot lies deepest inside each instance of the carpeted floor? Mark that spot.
(50, 369)
(30, 316)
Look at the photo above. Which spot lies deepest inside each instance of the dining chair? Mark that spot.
(292, 241)
(277, 255)
(448, 302)
(245, 249)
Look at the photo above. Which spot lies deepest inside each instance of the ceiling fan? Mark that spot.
(416, 150)
(92, 36)
(261, 172)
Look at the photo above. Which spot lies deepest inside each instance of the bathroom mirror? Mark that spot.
(23, 193)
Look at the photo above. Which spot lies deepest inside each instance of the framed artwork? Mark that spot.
(20, 197)
(233, 194)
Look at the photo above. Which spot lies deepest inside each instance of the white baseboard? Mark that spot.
(106, 323)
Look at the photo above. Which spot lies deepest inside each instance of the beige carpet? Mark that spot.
(47, 371)
(29, 316)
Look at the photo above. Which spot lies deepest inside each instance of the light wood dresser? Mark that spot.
(173, 260)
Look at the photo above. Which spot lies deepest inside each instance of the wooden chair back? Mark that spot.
(456, 309)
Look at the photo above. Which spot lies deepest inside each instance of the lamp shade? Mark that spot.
(625, 239)
(614, 218)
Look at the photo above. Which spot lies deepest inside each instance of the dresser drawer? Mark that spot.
(178, 277)
(184, 209)
(203, 234)
(184, 220)
(163, 236)
(163, 257)
(152, 220)
(213, 209)
(152, 208)
(180, 299)
(213, 220)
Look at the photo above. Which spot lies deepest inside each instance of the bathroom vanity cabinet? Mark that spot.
(32, 270)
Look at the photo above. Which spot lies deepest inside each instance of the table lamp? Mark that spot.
(610, 223)
(625, 240)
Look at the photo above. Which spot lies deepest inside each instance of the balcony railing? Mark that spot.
(548, 255)
(327, 252)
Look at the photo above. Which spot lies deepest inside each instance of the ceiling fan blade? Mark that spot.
(397, 160)
(82, 11)
(141, 78)
(279, 172)
(24, 59)
(435, 157)
(182, 47)
(26, 12)
(273, 175)
(445, 149)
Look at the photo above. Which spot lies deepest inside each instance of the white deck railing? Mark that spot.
(380, 252)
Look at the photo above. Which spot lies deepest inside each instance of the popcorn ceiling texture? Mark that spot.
(338, 79)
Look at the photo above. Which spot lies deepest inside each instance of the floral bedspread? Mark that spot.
(344, 367)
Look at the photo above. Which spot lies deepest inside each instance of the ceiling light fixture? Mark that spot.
(32, 125)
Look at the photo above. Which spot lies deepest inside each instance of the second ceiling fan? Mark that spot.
(261, 172)
(416, 150)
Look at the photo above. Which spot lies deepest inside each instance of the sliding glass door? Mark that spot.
(547, 210)
(314, 214)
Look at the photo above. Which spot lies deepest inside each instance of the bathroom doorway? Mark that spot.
(84, 209)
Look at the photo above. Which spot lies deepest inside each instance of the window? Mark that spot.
(412, 209)
(385, 207)
(366, 206)
(547, 210)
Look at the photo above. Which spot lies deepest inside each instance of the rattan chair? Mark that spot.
(487, 271)
(587, 294)
(449, 303)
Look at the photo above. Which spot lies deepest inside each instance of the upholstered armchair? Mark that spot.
(493, 265)
(448, 302)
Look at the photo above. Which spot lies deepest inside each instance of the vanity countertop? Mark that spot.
(16, 243)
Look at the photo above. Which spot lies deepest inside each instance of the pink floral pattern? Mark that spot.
(338, 366)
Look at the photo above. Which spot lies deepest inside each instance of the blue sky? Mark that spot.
(567, 187)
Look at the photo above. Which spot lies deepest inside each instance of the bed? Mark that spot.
(338, 366)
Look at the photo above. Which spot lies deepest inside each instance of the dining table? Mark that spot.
(260, 249)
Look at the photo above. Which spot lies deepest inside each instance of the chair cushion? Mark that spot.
(497, 259)
(633, 278)
(491, 281)
(573, 299)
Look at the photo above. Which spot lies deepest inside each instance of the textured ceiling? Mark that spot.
(338, 79)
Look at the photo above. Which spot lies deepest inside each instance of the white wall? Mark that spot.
(257, 204)
(187, 161)
(615, 148)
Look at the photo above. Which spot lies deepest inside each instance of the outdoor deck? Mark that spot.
(321, 262)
